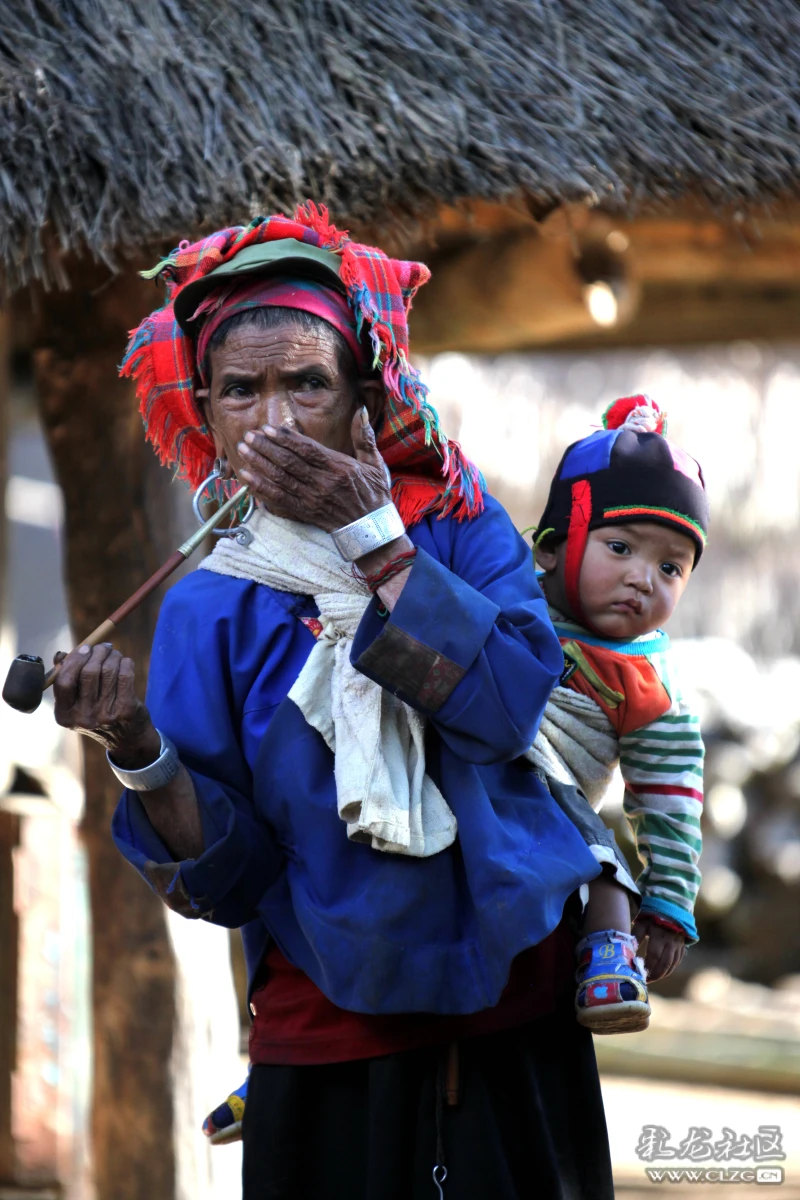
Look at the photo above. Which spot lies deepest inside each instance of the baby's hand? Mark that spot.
(665, 948)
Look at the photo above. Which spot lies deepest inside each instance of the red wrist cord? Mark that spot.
(392, 568)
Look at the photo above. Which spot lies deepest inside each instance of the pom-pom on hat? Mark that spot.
(624, 473)
(639, 413)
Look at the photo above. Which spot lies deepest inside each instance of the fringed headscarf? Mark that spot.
(429, 474)
(305, 295)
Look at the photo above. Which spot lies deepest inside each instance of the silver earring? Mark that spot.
(238, 532)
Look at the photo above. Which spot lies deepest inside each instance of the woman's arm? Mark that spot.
(468, 641)
(174, 813)
(221, 648)
(95, 694)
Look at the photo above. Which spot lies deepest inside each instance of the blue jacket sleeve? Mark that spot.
(469, 643)
(216, 642)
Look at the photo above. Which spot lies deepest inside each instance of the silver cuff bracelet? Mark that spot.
(369, 533)
(156, 775)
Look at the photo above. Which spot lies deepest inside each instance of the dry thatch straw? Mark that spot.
(125, 122)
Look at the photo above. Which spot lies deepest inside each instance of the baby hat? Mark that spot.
(625, 472)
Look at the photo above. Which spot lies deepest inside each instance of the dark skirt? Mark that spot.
(529, 1123)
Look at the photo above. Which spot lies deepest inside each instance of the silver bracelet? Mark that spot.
(369, 533)
(156, 775)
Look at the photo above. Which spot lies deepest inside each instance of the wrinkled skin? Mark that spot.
(296, 425)
(95, 695)
(289, 421)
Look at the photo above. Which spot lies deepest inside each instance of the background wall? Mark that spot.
(736, 408)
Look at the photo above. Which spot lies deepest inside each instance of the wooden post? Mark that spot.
(9, 839)
(9, 835)
(108, 475)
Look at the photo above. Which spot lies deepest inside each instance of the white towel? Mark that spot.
(576, 744)
(383, 793)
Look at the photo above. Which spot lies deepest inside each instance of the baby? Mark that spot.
(624, 527)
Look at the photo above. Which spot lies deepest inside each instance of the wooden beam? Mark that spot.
(688, 243)
(714, 1058)
(502, 283)
(520, 288)
(691, 314)
(710, 252)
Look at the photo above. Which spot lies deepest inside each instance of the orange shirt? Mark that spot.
(627, 688)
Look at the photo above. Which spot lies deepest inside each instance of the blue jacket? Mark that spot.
(470, 645)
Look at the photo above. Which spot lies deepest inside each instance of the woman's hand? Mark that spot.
(298, 478)
(94, 695)
(665, 948)
(94, 692)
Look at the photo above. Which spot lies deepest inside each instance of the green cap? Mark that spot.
(284, 256)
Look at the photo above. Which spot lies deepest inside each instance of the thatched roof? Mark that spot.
(125, 122)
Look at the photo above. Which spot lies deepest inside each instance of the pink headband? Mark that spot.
(304, 295)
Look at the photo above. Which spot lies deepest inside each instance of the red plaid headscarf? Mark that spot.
(275, 292)
(429, 474)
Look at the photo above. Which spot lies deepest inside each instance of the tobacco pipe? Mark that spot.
(27, 682)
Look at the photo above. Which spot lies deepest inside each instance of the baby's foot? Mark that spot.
(224, 1124)
(612, 993)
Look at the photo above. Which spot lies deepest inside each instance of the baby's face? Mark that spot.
(631, 580)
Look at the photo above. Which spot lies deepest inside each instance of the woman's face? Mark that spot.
(283, 376)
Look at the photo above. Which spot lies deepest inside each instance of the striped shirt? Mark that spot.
(660, 757)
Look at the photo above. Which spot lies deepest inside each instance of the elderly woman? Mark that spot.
(329, 756)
